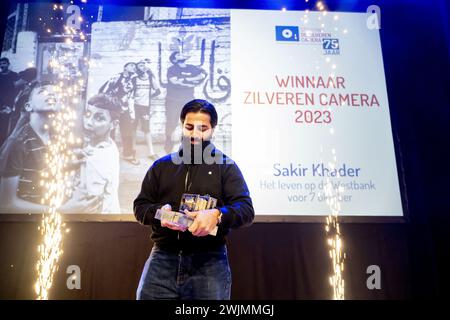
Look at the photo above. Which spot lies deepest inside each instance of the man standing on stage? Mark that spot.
(190, 263)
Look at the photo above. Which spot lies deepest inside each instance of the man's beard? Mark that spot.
(194, 153)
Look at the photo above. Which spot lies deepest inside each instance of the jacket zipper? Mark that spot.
(185, 189)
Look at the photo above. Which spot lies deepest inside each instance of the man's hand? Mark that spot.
(204, 221)
(168, 224)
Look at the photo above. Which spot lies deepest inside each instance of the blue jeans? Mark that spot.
(195, 276)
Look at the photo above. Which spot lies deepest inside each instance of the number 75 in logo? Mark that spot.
(330, 43)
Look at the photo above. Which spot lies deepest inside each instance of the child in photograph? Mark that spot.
(99, 173)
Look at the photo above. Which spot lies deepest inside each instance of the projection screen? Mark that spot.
(301, 97)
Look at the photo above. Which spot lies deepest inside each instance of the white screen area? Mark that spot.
(311, 115)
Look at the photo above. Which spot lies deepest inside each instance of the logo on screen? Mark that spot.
(330, 46)
(286, 33)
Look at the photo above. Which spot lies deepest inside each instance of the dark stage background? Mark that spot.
(290, 260)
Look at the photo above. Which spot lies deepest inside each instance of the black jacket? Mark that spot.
(165, 182)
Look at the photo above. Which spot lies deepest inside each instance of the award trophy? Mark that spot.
(190, 202)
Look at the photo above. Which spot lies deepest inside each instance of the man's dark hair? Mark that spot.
(106, 102)
(199, 105)
(4, 59)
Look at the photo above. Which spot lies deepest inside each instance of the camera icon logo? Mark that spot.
(287, 33)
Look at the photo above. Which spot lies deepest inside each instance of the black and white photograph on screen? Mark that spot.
(153, 68)
(136, 70)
